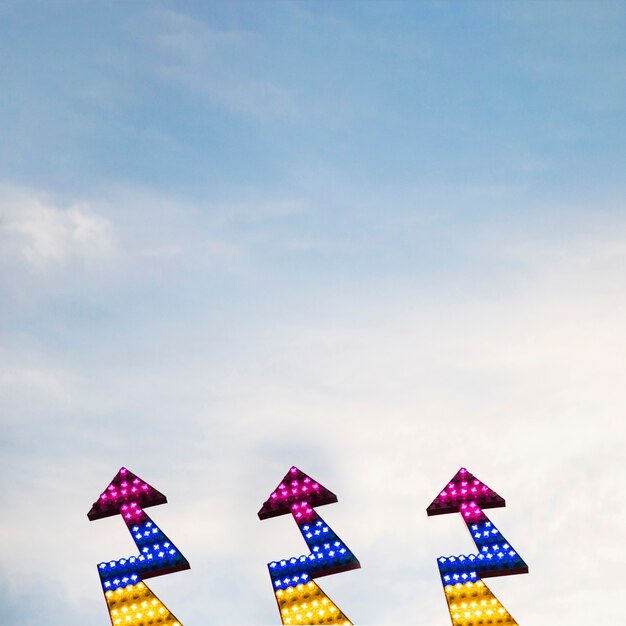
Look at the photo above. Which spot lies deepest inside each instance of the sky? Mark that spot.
(375, 240)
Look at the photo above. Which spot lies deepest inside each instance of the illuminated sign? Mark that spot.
(300, 600)
(470, 601)
(129, 599)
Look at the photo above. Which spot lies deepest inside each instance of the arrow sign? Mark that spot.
(130, 601)
(462, 575)
(300, 600)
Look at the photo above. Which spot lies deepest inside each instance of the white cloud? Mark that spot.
(215, 64)
(45, 235)
(47, 381)
(166, 251)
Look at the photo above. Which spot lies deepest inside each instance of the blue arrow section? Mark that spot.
(329, 555)
(157, 555)
(496, 557)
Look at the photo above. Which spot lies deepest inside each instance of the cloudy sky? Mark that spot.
(376, 240)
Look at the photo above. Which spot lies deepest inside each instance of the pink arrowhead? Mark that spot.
(462, 489)
(124, 489)
(294, 488)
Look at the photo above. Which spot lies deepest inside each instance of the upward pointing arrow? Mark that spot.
(300, 600)
(469, 496)
(125, 493)
(469, 599)
(463, 491)
(129, 599)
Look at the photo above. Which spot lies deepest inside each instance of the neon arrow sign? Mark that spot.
(470, 601)
(300, 600)
(129, 600)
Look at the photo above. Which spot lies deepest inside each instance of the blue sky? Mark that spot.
(377, 240)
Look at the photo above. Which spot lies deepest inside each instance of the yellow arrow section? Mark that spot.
(136, 605)
(473, 604)
(308, 604)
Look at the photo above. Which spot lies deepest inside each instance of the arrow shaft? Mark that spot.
(495, 557)
(157, 554)
(329, 554)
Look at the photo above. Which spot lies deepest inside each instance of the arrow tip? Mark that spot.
(464, 487)
(295, 487)
(124, 489)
